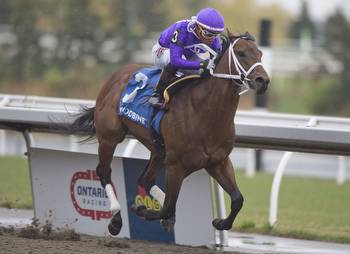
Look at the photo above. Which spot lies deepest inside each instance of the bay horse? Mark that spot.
(198, 131)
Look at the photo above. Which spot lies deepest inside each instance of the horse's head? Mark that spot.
(246, 58)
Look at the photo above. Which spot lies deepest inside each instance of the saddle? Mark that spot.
(134, 104)
(175, 85)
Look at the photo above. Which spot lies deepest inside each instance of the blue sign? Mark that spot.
(139, 228)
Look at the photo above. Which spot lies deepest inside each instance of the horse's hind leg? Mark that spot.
(224, 174)
(105, 155)
(103, 170)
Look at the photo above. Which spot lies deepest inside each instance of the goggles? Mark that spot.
(207, 34)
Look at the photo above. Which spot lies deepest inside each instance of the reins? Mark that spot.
(242, 74)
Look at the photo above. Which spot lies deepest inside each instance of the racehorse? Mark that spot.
(198, 131)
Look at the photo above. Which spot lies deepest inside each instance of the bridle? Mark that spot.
(242, 74)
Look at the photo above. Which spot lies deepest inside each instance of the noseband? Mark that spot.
(242, 74)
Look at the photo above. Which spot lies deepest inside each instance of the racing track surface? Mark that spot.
(21, 242)
(18, 235)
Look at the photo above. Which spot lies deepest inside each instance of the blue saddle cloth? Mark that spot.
(134, 103)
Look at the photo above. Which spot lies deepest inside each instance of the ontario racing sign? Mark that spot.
(88, 197)
(68, 194)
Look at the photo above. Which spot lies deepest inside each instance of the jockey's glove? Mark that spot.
(207, 64)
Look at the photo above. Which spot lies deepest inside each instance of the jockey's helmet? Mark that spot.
(211, 22)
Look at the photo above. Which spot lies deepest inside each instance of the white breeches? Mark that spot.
(161, 57)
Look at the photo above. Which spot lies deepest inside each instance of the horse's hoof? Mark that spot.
(115, 224)
(168, 225)
(220, 224)
(139, 210)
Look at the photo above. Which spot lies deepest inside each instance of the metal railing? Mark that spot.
(328, 135)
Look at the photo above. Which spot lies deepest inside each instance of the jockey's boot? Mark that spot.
(156, 98)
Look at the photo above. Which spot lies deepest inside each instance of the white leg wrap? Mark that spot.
(158, 194)
(115, 206)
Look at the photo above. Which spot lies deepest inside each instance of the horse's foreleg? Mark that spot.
(224, 174)
(174, 179)
(103, 170)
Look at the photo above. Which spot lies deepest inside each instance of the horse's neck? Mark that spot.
(220, 96)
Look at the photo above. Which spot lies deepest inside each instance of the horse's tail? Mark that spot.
(84, 123)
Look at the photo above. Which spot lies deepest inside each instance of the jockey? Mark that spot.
(175, 47)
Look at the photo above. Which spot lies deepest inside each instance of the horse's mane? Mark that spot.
(226, 39)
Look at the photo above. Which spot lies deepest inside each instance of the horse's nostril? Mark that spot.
(262, 81)
(262, 84)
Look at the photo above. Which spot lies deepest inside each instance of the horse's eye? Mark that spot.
(241, 53)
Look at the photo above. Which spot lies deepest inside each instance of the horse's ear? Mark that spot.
(248, 36)
(229, 34)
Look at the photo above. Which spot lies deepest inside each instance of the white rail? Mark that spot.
(329, 135)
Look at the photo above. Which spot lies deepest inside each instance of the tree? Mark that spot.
(335, 100)
(77, 33)
(303, 26)
(337, 36)
(23, 16)
(138, 20)
(5, 11)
